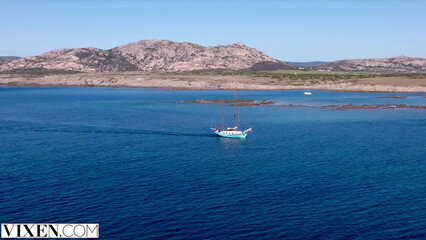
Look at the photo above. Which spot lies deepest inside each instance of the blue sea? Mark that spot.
(146, 167)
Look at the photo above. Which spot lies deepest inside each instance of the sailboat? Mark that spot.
(233, 132)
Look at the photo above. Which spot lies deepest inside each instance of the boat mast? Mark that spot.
(223, 115)
(236, 109)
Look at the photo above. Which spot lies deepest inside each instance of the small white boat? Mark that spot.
(307, 93)
(232, 132)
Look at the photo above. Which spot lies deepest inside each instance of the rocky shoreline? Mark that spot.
(213, 82)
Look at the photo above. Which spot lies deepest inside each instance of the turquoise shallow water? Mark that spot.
(146, 167)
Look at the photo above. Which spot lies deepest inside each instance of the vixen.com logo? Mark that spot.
(50, 230)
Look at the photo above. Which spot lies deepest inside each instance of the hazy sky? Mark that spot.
(286, 30)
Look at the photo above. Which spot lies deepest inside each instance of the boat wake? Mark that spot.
(101, 130)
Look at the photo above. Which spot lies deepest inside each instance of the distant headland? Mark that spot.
(184, 65)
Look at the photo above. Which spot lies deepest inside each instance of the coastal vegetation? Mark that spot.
(39, 71)
(303, 75)
(221, 79)
(298, 74)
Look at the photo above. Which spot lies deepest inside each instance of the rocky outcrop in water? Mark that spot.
(269, 103)
(241, 102)
(354, 106)
(373, 106)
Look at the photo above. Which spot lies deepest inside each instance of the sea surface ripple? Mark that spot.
(145, 167)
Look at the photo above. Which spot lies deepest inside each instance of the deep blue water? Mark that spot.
(146, 167)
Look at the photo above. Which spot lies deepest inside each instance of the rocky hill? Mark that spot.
(401, 64)
(308, 64)
(270, 66)
(4, 59)
(145, 55)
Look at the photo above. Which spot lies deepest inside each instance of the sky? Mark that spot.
(285, 30)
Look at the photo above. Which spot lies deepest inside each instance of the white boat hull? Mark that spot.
(232, 133)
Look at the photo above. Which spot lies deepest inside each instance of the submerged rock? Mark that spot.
(241, 102)
(396, 97)
(373, 106)
(353, 106)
